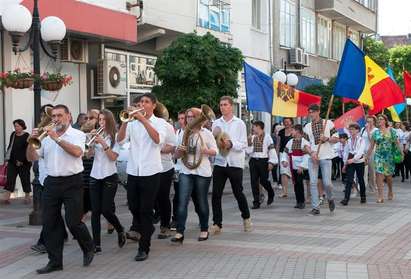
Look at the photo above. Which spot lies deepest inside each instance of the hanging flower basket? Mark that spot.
(54, 81)
(17, 79)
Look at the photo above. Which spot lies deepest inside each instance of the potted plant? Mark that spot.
(17, 79)
(54, 81)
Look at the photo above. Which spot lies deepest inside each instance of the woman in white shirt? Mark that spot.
(354, 158)
(104, 179)
(196, 180)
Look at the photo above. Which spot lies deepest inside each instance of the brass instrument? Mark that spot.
(99, 131)
(36, 142)
(206, 114)
(125, 115)
(161, 111)
(220, 138)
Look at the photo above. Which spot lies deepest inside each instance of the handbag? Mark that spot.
(3, 175)
(10, 147)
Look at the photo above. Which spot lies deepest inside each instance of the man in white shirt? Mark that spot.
(263, 157)
(143, 168)
(62, 150)
(321, 136)
(229, 166)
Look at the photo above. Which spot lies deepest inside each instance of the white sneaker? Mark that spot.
(215, 229)
(353, 195)
(248, 226)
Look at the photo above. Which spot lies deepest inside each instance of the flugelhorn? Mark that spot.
(93, 138)
(35, 142)
(127, 115)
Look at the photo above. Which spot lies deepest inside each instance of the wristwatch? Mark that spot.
(58, 140)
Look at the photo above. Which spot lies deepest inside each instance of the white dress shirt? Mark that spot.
(179, 134)
(205, 166)
(237, 132)
(366, 137)
(144, 158)
(268, 150)
(357, 148)
(326, 149)
(58, 162)
(102, 165)
(42, 171)
(170, 139)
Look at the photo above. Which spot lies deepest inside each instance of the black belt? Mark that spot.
(259, 159)
(65, 177)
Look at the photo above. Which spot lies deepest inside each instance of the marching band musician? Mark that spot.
(195, 181)
(143, 168)
(104, 179)
(62, 151)
(263, 159)
(229, 166)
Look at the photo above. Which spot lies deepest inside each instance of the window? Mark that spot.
(307, 30)
(287, 23)
(354, 36)
(324, 36)
(256, 14)
(214, 15)
(370, 4)
(339, 37)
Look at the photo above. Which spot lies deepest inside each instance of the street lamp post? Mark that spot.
(18, 20)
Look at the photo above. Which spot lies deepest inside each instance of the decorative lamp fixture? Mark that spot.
(53, 31)
(17, 20)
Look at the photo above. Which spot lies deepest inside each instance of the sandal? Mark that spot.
(380, 201)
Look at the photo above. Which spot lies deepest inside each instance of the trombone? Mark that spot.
(126, 115)
(93, 138)
(36, 142)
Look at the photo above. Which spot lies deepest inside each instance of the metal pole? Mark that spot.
(35, 215)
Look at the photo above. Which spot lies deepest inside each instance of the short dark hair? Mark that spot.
(21, 123)
(343, 136)
(259, 123)
(289, 118)
(299, 128)
(354, 126)
(80, 115)
(63, 107)
(314, 107)
(227, 98)
(181, 112)
(151, 96)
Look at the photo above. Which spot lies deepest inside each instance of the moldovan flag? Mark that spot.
(360, 78)
(397, 109)
(265, 94)
(407, 83)
(356, 115)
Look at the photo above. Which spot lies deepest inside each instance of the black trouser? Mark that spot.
(259, 175)
(235, 175)
(336, 167)
(163, 197)
(274, 174)
(407, 164)
(358, 170)
(298, 186)
(23, 172)
(102, 194)
(68, 191)
(399, 168)
(141, 196)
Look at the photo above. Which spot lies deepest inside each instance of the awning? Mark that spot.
(90, 19)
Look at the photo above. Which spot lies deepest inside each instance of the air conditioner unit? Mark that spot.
(111, 77)
(74, 50)
(296, 56)
(306, 60)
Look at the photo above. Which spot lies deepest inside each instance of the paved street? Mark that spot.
(359, 241)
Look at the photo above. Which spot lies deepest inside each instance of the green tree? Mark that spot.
(377, 51)
(400, 60)
(197, 70)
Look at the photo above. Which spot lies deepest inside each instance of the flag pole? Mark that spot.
(327, 116)
(343, 106)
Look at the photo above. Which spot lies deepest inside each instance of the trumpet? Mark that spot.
(93, 138)
(126, 115)
(36, 142)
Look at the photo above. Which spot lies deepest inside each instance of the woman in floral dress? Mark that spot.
(384, 140)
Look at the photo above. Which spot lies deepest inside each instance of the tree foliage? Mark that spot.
(197, 70)
(377, 51)
(400, 60)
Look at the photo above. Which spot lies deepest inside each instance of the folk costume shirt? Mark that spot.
(313, 131)
(263, 148)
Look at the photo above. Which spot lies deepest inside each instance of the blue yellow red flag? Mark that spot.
(395, 110)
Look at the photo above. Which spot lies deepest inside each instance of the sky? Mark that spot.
(394, 17)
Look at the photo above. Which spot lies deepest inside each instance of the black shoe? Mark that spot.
(97, 249)
(88, 257)
(110, 231)
(344, 202)
(255, 206)
(156, 218)
(121, 239)
(270, 200)
(133, 235)
(402, 179)
(331, 205)
(141, 256)
(302, 205)
(49, 268)
(39, 248)
(203, 238)
(173, 225)
(315, 212)
(177, 240)
(297, 205)
(363, 200)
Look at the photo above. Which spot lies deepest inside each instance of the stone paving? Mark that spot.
(358, 241)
